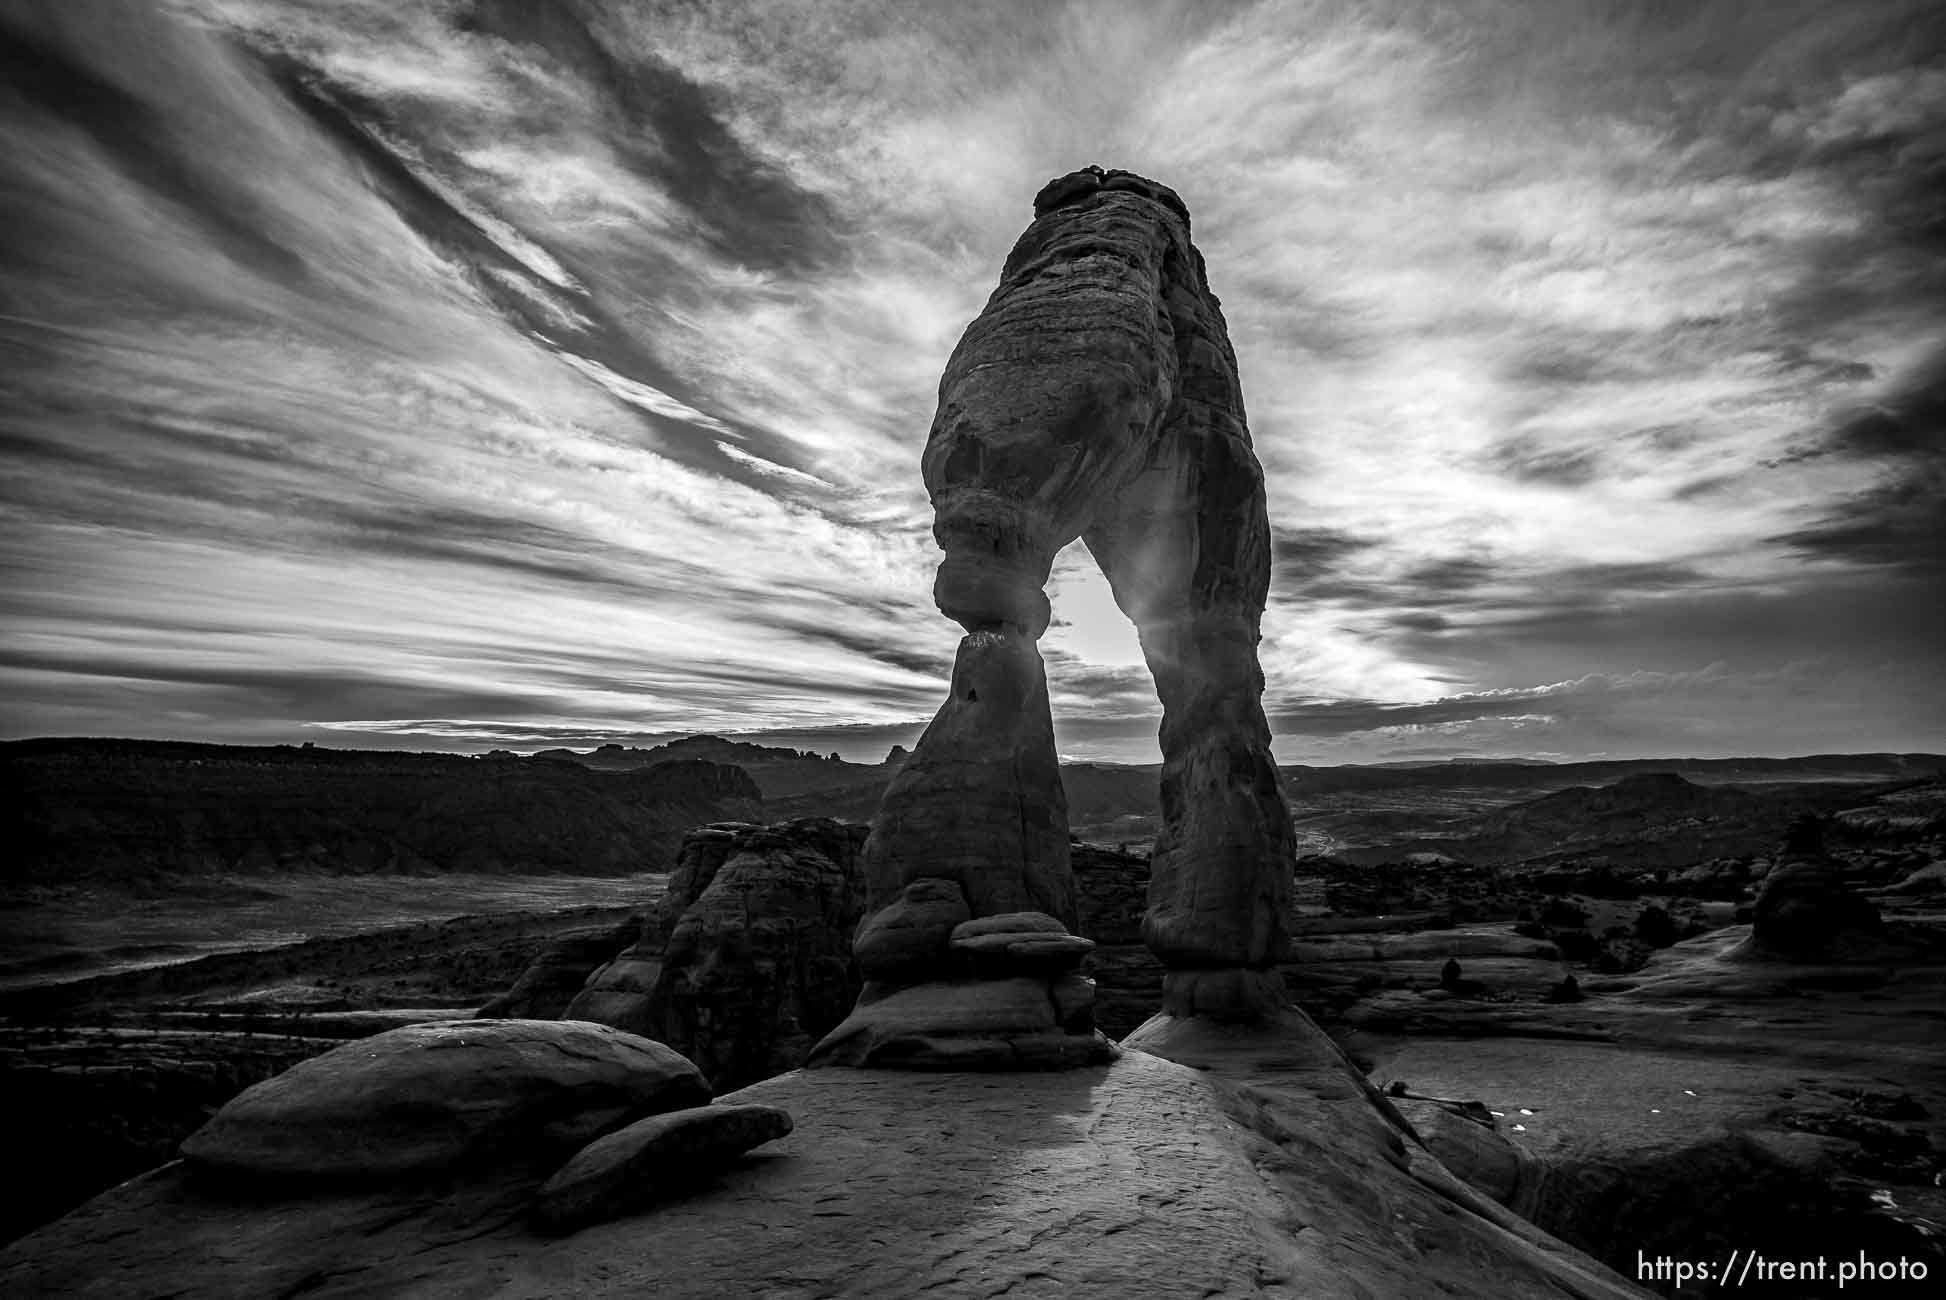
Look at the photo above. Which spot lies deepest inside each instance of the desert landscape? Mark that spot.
(1685, 1095)
(846, 650)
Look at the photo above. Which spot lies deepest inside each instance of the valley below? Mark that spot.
(1549, 972)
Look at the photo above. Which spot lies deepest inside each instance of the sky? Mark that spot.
(460, 374)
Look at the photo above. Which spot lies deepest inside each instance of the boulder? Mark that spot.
(634, 1166)
(1929, 879)
(435, 1095)
(908, 940)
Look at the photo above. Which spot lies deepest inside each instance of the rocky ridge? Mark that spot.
(114, 810)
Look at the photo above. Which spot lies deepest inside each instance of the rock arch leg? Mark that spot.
(1185, 548)
(979, 801)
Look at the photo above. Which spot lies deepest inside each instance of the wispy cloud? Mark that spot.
(513, 371)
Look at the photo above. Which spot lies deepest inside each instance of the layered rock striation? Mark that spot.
(746, 961)
(1095, 397)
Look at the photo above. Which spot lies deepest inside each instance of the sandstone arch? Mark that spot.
(1096, 397)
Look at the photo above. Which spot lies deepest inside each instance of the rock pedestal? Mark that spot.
(979, 802)
(993, 993)
(1095, 397)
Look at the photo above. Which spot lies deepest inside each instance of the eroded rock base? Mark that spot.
(1023, 1023)
(951, 992)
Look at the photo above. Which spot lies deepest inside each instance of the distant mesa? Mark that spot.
(714, 749)
(127, 810)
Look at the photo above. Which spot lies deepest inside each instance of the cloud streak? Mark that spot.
(517, 371)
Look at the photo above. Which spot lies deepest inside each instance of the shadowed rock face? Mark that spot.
(1096, 397)
(746, 960)
(759, 967)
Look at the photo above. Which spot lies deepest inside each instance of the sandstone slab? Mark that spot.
(965, 1024)
(1009, 923)
(1018, 943)
(631, 1167)
(430, 1096)
(1023, 954)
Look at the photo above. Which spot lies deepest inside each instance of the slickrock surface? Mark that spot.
(1480, 1154)
(1268, 1176)
(433, 1095)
